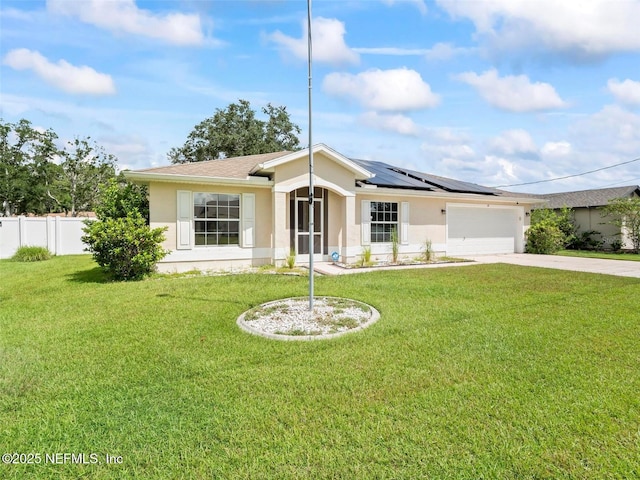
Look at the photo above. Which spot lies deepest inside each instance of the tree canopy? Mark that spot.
(38, 177)
(235, 131)
(625, 213)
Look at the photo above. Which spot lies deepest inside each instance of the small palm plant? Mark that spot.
(395, 245)
(290, 260)
(427, 251)
(366, 256)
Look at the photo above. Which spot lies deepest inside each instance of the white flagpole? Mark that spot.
(311, 200)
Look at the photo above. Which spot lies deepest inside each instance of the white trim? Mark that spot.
(248, 215)
(404, 223)
(398, 192)
(184, 220)
(365, 217)
(318, 182)
(199, 179)
(225, 252)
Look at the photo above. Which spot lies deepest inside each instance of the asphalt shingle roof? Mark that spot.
(234, 167)
(588, 198)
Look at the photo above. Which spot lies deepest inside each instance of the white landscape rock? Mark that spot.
(291, 319)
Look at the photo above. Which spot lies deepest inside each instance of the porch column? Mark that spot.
(350, 231)
(279, 228)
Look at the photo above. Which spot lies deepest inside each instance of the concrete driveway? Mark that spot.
(620, 268)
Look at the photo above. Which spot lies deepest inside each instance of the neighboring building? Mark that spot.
(586, 206)
(254, 210)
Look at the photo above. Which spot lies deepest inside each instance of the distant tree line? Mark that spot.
(38, 177)
(235, 131)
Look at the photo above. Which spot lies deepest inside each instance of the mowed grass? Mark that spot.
(479, 371)
(595, 254)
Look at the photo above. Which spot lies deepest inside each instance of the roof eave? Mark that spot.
(448, 195)
(146, 177)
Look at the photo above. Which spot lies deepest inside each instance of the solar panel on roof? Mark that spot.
(386, 177)
(389, 176)
(451, 184)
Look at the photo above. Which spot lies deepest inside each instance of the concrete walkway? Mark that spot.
(620, 268)
(326, 268)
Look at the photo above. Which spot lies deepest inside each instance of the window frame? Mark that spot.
(219, 224)
(383, 221)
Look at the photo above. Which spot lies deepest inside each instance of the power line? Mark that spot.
(569, 176)
(622, 182)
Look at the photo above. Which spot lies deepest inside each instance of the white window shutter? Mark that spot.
(184, 220)
(366, 222)
(248, 220)
(404, 223)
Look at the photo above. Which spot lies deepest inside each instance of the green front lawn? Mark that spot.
(482, 371)
(594, 254)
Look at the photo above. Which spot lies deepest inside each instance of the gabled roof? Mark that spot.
(255, 170)
(234, 167)
(588, 198)
(349, 164)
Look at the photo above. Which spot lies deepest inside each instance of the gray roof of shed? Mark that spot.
(588, 198)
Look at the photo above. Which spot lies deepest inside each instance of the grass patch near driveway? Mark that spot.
(486, 371)
(634, 257)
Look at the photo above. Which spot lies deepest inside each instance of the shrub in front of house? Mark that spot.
(30, 253)
(126, 248)
(545, 237)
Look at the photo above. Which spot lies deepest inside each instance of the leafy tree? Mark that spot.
(625, 214)
(85, 167)
(26, 167)
(38, 177)
(235, 131)
(120, 198)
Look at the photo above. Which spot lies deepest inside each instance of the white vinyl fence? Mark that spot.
(61, 235)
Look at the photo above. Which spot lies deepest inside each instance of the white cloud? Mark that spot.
(514, 93)
(556, 149)
(612, 129)
(420, 4)
(585, 29)
(62, 75)
(445, 51)
(514, 142)
(392, 51)
(458, 152)
(328, 42)
(125, 16)
(627, 92)
(393, 123)
(383, 90)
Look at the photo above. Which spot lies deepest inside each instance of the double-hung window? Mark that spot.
(384, 220)
(216, 219)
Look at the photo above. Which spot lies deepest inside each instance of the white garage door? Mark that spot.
(482, 230)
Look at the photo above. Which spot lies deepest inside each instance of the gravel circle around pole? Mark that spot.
(290, 318)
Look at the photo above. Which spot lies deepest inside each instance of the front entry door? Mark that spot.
(302, 229)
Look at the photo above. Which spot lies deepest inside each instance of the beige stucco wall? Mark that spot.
(588, 219)
(163, 208)
(326, 170)
(343, 226)
(426, 220)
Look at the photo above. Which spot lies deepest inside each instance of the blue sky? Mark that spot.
(497, 93)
